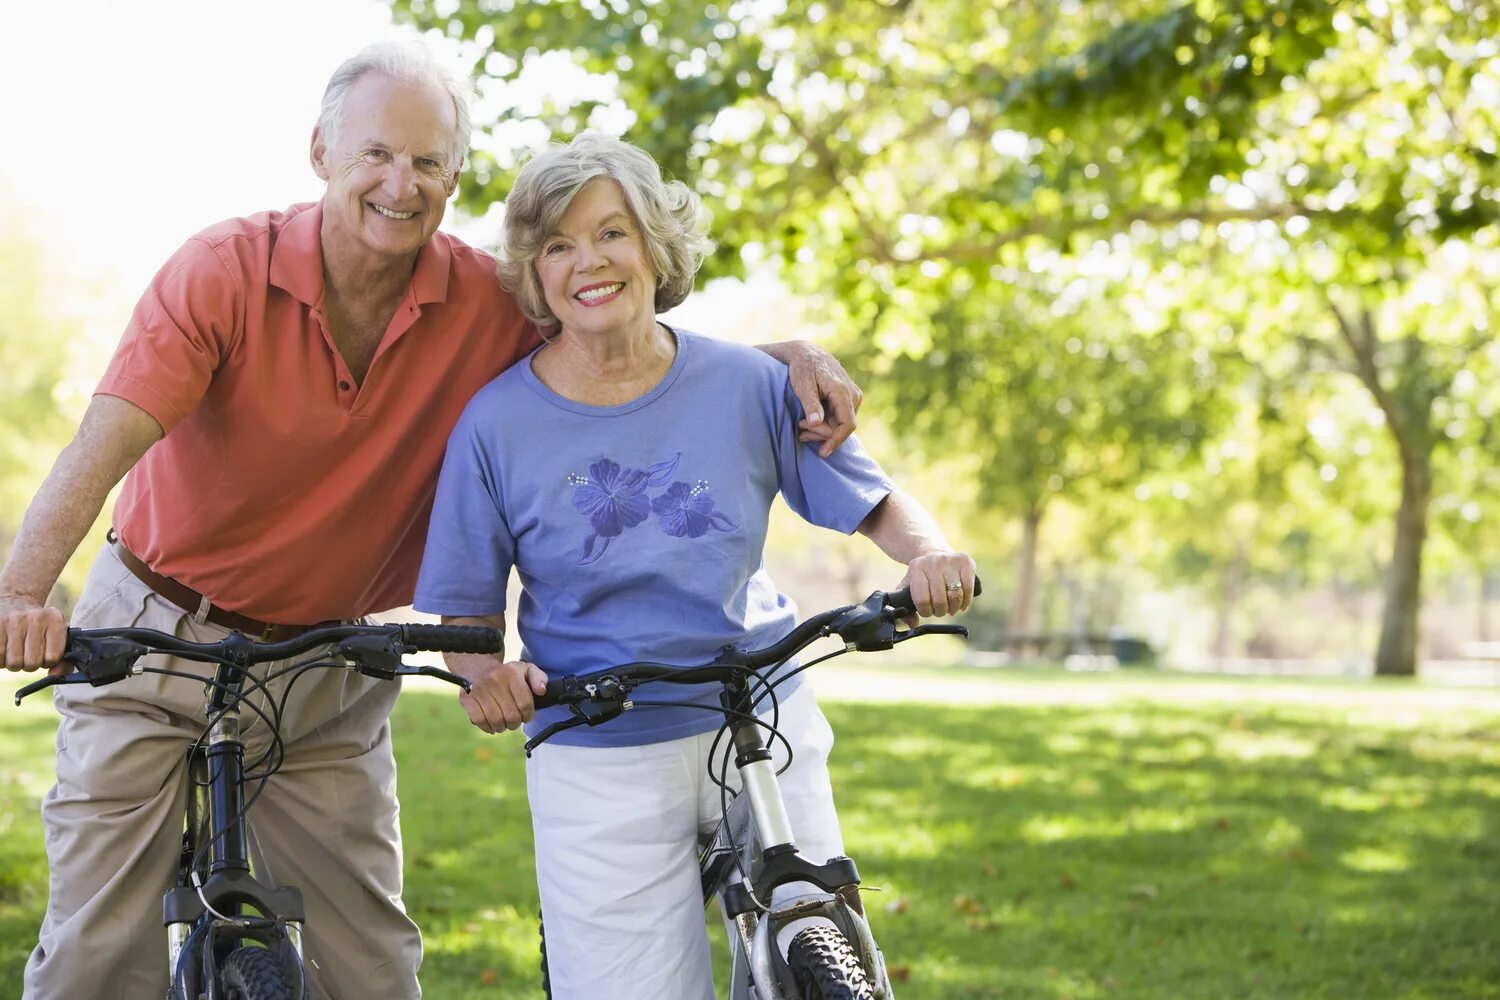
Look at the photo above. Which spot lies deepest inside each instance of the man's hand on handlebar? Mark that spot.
(32, 635)
(501, 694)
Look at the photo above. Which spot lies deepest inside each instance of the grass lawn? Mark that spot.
(1035, 835)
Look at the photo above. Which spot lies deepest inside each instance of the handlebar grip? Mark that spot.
(549, 697)
(900, 601)
(454, 638)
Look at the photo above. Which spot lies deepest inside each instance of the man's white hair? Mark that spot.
(407, 62)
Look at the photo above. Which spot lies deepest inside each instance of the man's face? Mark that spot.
(388, 166)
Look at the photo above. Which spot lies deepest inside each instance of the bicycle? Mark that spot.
(752, 851)
(230, 936)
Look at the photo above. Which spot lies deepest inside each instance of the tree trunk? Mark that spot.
(1396, 656)
(1020, 611)
(1077, 627)
(1408, 416)
(1231, 582)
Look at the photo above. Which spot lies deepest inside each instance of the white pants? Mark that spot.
(617, 833)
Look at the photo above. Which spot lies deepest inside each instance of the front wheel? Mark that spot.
(255, 974)
(825, 967)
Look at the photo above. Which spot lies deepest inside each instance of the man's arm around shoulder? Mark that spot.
(828, 395)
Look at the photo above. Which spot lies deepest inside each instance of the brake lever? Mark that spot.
(51, 680)
(442, 675)
(912, 633)
(551, 731)
(95, 661)
(580, 718)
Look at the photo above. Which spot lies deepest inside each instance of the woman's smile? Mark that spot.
(599, 293)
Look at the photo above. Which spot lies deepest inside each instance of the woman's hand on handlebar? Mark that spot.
(501, 694)
(942, 583)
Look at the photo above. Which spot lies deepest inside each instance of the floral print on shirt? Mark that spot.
(613, 497)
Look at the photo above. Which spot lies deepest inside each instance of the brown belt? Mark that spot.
(198, 606)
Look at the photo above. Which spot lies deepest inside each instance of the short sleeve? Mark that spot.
(179, 334)
(837, 492)
(470, 548)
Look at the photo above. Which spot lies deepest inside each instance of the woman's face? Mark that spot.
(594, 269)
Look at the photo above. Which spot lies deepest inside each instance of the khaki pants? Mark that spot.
(326, 822)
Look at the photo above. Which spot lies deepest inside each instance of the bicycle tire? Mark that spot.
(255, 974)
(541, 930)
(825, 967)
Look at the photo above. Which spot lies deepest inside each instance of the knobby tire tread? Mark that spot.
(541, 930)
(825, 967)
(255, 974)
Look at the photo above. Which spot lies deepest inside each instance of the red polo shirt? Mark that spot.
(283, 490)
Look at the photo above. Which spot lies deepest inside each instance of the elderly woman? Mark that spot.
(626, 470)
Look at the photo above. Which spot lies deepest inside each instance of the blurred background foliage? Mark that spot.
(41, 336)
(1198, 295)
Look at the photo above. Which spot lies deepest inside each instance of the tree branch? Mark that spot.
(1472, 345)
(1322, 356)
(842, 180)
(1362, 342)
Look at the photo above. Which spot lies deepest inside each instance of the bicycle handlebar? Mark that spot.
(868, 626)
(104, 655)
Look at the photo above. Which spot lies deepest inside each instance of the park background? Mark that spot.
(1181, 315)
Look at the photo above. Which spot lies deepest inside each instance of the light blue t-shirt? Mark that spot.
(637, 529)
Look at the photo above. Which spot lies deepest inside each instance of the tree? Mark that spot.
(1378, 157)
(1054, 393)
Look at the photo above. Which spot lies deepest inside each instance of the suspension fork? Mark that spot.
(757, 770)
(215, 814)
(218, 835)
(762, 786)
(769, 829)
(224, 758)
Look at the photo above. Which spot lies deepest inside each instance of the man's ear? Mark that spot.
(454, 176)
(318, 153)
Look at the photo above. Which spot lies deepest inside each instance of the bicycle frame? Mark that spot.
(757, 829)
(216, 830)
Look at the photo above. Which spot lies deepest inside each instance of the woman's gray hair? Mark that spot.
(672, 218)
(406, 62)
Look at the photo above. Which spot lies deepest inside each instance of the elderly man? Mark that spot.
(280, 402)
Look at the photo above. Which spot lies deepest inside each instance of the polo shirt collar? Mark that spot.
(429, 280)
(297, 257)
(297, 261)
